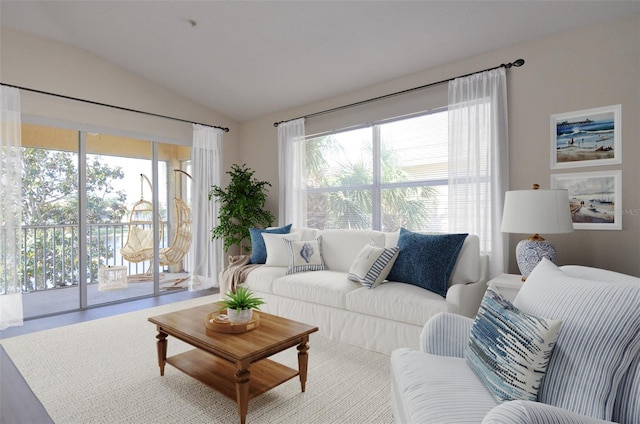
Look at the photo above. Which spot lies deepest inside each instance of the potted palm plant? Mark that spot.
(240, 305)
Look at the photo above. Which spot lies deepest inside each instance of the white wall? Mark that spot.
(589, 67)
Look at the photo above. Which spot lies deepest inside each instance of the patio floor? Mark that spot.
(63, 299)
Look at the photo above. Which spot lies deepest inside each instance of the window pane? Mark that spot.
(415, 149)
(339, 160)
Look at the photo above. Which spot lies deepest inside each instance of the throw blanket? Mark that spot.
(235, 274)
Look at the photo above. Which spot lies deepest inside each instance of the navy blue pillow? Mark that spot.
(258, 248)
(426, 260)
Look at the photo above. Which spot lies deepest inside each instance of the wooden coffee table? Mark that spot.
(235, 365)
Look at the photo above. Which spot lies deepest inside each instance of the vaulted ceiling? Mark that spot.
(246, 59)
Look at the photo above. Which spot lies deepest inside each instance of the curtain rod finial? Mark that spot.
(518, 63)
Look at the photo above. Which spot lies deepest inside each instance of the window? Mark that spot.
(383, 176)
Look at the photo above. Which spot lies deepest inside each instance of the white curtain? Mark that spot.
(206, 256)
(10, 208)
(292, 174)
(478, 161)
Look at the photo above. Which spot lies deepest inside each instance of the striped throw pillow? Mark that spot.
(510, 350)
(372, 265)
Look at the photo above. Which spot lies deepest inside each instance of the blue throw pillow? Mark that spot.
(426, 260)
(510, 350)
(258, 248)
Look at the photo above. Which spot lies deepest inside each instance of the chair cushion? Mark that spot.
(600, 337)
(372, 265)
(426, 260)
(438, 389)
(509, 349)
(258, 249)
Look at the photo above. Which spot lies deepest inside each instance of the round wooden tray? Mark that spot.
(213, 324)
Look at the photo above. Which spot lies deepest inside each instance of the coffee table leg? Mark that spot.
(242, 393)
(162, 349)
(303, 360)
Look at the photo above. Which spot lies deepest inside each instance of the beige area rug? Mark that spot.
(106, 371)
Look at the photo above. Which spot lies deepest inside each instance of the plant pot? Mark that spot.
(238, 316)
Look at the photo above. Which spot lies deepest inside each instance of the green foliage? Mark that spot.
(243, 298)
(241, 207)
(50, 205)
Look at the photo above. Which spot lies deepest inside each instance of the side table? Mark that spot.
(507, 284)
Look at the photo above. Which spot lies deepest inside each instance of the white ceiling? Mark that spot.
(246, 59)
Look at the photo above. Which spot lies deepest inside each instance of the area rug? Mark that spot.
(106, 371)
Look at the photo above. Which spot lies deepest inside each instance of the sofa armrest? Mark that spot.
(467, 297)
(446, 334)
(527, 412)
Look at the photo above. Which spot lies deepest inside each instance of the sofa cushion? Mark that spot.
(326, 287)
(426, 260)
(398, 302)
(340, 247)
(437, 389)
(600, 337)
(372, 265)
(262, 278)
(277, 250)
(509, 349)
(258, 249)
(305, 255)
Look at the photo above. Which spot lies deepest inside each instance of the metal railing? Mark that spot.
(50, 256)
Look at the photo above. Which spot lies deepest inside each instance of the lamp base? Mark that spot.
(530, 252)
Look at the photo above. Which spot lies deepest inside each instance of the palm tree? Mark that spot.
(348, 205)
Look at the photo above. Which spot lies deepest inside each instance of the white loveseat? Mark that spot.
(593, 375)
(382, 318)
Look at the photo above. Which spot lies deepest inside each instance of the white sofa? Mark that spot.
(593, 374)
(382, 318)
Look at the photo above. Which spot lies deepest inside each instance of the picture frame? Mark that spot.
(590, 137)
(595, 198)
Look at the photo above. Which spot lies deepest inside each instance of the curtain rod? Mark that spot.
(517, 64)
(112, 106)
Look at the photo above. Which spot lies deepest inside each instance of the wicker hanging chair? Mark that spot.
(181, 243)
(139, 245)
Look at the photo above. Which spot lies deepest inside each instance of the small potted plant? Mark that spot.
(240, 305)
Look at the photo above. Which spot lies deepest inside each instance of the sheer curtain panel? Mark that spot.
(292, 174)
(10, 208)
(478, 161)
(206, 258)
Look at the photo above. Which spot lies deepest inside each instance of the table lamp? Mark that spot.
(533, 212)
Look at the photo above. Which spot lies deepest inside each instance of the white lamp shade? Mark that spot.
(537, 212)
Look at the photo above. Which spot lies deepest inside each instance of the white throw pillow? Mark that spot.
(305, 255)
(277, 251)
(372, 265)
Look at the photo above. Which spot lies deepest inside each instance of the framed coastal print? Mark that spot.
(586, 138)
(595, 198)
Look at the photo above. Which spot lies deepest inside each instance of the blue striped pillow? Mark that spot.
(372, 265)
(510, 350)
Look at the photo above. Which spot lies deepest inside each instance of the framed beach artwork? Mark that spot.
(595, 198)
(586, 138)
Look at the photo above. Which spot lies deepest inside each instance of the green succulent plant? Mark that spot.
(243, 298)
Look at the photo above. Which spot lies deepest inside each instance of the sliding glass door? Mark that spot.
(106, 219)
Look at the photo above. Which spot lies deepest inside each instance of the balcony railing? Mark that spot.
(50, 254)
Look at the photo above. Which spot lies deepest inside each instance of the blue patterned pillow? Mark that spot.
(510, 350)
(426, 260)
(258, 248)
(305, 255)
